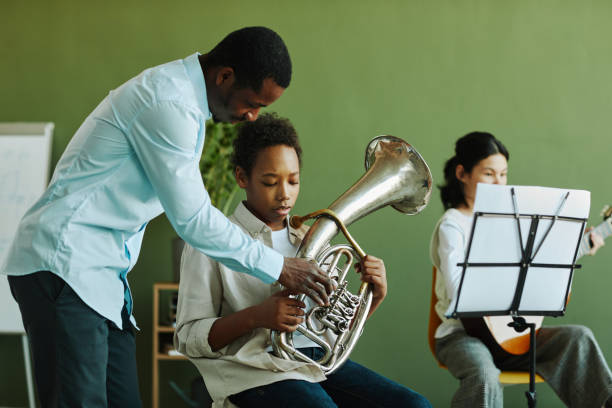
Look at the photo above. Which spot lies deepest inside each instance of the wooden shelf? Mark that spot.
(164, 331)
(165, 286)
(161, 356)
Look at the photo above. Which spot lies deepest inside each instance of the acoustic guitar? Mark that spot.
(514, 342)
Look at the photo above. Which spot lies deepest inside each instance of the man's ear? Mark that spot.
(225, 77)
(460, 173)
(241, 177)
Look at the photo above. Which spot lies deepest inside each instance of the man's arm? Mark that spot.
(164, 138)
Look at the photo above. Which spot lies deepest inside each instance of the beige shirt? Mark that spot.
(209, 290)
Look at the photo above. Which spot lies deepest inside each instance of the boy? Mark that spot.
(224, 319)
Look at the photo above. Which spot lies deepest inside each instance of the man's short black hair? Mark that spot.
(267, 131)
(254, 53)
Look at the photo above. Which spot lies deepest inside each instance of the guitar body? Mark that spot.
(509, 339)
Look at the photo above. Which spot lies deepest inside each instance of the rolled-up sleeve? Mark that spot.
(167, 137)
(199, 304)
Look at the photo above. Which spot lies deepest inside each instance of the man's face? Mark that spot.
(236, 104)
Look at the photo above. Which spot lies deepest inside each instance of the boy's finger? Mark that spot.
(297, 303)
(294, 311)
(292, 320)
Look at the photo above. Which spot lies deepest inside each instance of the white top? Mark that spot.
(448, 245)
(282, 244)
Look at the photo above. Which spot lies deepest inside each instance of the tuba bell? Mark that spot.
(396, 175)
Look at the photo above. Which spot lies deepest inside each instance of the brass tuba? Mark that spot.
(396, 175)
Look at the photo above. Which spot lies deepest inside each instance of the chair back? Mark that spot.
(434, 319)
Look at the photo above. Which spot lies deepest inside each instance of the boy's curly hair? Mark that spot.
(268, 130)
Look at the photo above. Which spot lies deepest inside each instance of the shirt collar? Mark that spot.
(254, 225)
(194, 71)
(250, 222)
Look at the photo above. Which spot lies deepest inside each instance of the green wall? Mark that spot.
(536, 74)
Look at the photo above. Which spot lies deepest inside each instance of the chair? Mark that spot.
(505, 377)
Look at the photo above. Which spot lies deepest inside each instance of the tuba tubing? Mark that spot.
(391, 178)
(396, 175)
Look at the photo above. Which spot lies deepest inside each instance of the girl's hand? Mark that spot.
(279, 312)
(596, 240)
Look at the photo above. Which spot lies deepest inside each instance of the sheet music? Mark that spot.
(531, 200)
(495, 240)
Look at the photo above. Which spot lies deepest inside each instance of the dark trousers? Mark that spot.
(352, 385)
(81, 359)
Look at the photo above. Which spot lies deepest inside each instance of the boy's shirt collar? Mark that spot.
(255, 227)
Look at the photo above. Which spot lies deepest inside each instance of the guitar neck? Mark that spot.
(604, 230)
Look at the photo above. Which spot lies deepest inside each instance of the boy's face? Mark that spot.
(273, 185)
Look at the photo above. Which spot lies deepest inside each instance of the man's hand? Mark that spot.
(302, 276)
(280, 312)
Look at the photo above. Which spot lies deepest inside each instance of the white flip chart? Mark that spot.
(25, 155)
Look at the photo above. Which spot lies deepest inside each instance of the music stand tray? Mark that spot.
(505, 275)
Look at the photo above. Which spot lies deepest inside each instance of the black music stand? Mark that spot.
(531, 275)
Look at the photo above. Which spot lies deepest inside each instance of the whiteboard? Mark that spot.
(25, 156)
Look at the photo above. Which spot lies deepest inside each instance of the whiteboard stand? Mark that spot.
(25, 157)
(28, 367)
(521, 262)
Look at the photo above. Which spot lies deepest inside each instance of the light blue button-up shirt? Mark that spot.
(135, 156)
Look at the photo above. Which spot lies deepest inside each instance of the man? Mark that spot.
(135, 157)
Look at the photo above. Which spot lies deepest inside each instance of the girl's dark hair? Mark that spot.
(268, 130)
(469, 150)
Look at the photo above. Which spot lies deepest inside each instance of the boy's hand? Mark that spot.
(280, 312)
(373, 271)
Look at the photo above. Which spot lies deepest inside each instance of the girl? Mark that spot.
(224, 318)
(568, 357)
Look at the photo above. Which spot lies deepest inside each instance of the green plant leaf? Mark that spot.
(216, 167)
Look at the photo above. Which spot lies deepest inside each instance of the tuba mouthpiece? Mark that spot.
(296, 221)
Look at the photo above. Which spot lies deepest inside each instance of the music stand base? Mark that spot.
(531, 399)
(519, 324)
